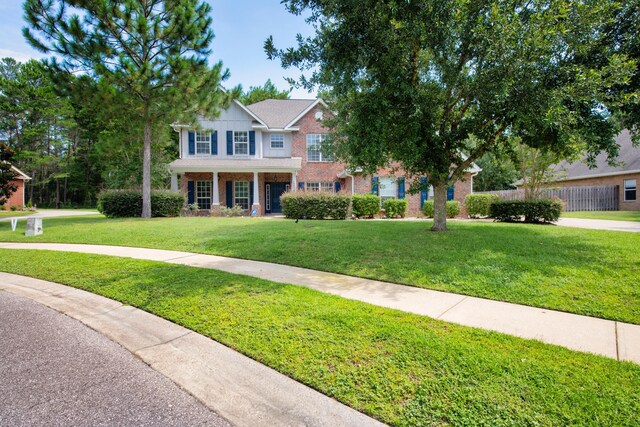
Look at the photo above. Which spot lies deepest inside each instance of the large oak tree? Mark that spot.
(153, 50)
(432, 85)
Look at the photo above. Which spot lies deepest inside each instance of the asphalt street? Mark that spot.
(55, 371)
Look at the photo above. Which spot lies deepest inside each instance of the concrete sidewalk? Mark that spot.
(600, 224)
(53, 213)
(612, 339)
(243, 391)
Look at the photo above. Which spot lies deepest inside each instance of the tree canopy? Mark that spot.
(7, 188)
(260, 93)
(154, 52)
(432, 85)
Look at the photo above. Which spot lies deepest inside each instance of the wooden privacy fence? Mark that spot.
(597, 198)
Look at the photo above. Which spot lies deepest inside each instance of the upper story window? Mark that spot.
(277, 140)
(630, 190)
(387, 188)
(241, 143)
(203, 142)
(315, 145)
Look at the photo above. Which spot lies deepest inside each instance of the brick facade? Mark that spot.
(609, 180)
(320, 172)
(16, 198)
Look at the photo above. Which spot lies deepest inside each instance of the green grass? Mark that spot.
(610, 215)
(401, 368)
(4, 214)
(576, 270)
(587, 272)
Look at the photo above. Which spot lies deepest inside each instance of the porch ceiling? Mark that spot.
(235, 165)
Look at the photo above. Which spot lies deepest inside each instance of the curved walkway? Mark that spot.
(243, 391)
(612, 339)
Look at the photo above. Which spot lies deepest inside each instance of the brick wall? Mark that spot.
(609, 180)
(17, 198)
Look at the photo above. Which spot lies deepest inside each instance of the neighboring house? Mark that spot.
(250, 155)
(17, 198)
(626, 176)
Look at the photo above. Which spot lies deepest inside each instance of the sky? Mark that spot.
(240, 27)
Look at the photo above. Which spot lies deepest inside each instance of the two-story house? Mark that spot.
(250, 155)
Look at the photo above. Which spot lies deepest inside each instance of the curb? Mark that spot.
(238, 388)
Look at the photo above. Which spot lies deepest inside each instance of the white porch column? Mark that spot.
(216, 191)
(174, 182)
(294, 181)
(256, 189)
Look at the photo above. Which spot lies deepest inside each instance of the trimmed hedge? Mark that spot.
(315, 205)
(365, 205)
(394, 208)
(534, 211)
(479, 205)
(128, 203)
(453, 208)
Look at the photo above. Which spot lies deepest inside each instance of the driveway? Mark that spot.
(600, 224)
(57, 372)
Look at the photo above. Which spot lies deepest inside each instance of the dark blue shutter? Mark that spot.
(250, 194)
(229, 195)
(190, 192)
(374, 185)
(424, 191)
(214, 143)
(450, 193)
(192, 143)
(401, 187)
(301, 186)
(252, 143)
(229, 143)
(338, 186)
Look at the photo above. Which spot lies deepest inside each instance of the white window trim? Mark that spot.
(322, 138)
(323, 186)
(206, 135)
(388, 187)
(625, 189)
(235, 143)
(248, 198)
(271, 141)
(198, 197)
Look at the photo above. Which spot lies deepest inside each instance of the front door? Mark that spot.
(273, 191)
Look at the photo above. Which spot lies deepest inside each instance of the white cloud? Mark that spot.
(21, 56)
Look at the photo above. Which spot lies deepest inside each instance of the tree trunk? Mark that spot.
(57, 194)
(146, 171)
(439, 207)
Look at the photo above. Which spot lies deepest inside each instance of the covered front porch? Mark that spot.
(257, 193)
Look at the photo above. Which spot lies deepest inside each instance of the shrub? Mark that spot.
(234, 211)
(14, 208)
(479, 205)
(128, 203)
(365, 205)
(534, 211)
(394, 208)
(453, 208)
(315, 205)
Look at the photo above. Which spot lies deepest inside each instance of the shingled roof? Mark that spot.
(278, 113)
(628, 155)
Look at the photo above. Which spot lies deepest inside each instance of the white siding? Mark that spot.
(233, 119)
(276, 152)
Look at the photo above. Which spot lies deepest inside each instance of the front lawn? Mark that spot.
(403, 369)
(587, 272)
(4, 214)
(610, 215)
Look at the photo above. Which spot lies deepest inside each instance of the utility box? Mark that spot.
(34, 227)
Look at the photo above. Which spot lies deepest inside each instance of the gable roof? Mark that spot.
(20, 175)
(281, 113)
(628, 155)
